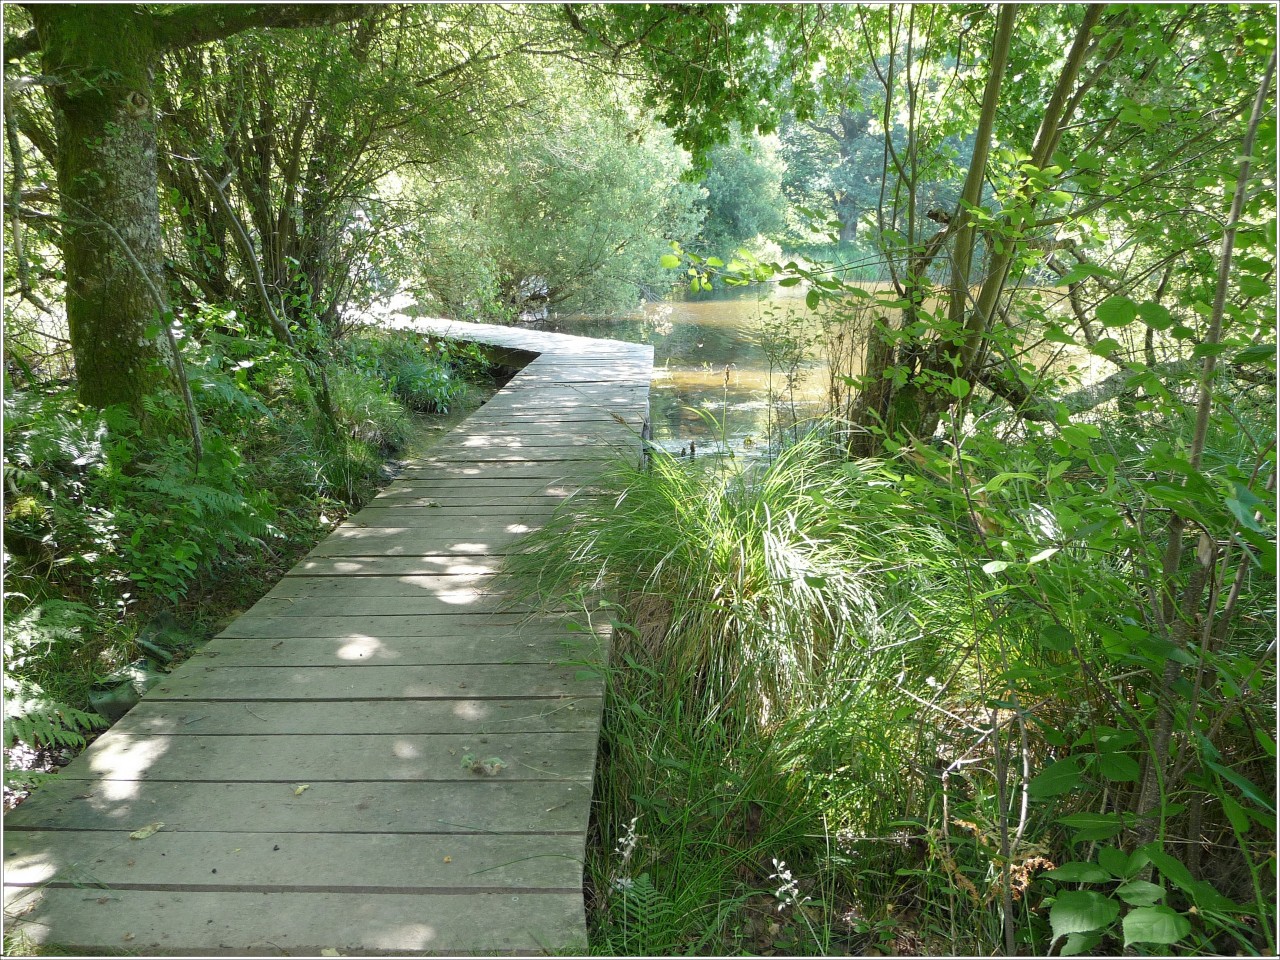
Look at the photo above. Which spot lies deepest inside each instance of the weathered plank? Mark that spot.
(360, 628)
(347, 758)
(479, 805)
(192, 717)
(204, 681)
(530, 646)
(189, 923)
(377, 607)
(270, 862)
(379, 510)
(400, 566)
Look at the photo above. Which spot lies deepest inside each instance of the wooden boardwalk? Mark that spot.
(310, 766)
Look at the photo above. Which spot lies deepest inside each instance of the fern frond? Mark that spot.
(46, 723)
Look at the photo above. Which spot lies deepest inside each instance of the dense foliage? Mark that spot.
(982, 661)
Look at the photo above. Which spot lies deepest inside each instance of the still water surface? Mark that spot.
(694, 342)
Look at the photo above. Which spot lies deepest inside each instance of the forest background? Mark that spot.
(982, 661)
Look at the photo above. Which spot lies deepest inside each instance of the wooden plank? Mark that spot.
(445, 454)
(513, 438)
(314, 718)
(479, 805)
(399, 566)
(440, 519)
(186, 923)
(346, 758)
(565, 472)
(382, 659)
(518, 526)
(199, 681)
(416, 543)
(378, 510)
(273, 862)
(544, 646)
(378, 607)
(459, 590)
(447, 491)
(359, 628)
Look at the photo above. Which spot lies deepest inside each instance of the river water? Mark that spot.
(720, 373)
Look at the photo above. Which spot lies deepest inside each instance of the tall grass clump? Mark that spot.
(763, 640)
(741, 585)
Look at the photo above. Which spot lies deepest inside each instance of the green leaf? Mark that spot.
(788, 281)
(1140, 893)
(670, 261)
(995, 566)
(1078, 871)
(960, 387)
(1254, 286)
(1081, 911)
(1202, 350)
(1265, 741)
(1057, 638)
(1170, 868)
(1260, 353)
(1059, 777)
(1056, 333)
(1105, 347)
(1116, 862)
(1092, 826)
(1079, 435)
(1000, 479)
(1244, 785)
(1117, 312)
(811, 299)
(1042, 555)
(1119, 767)
(1078, 943)
(1155, 315)
(1154, 925)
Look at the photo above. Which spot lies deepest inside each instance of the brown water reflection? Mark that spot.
(694, 342)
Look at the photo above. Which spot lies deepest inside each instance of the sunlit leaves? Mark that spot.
(1117, 312)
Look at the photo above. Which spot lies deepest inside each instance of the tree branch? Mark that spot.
(204, 22)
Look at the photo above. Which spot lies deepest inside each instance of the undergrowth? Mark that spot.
(111, 528)
(911, 705)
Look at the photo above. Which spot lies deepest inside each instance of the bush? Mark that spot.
(425, 375)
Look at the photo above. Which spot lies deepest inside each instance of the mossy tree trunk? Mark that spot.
(106, 167)
(101, 59)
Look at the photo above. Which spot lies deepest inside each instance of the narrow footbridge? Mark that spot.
(385, 755)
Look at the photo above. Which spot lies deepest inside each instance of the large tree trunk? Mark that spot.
(101, 58)
(106, 170)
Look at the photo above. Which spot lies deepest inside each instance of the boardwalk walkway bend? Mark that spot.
(311, 765)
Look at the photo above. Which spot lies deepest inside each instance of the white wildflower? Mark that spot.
(627, 845)
(624, 848)
(788, 892)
